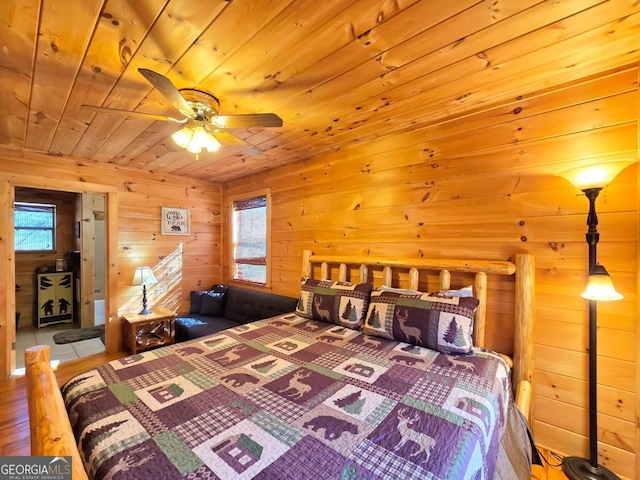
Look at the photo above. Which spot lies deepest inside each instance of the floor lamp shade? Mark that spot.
(591, 180)
(595, 176)
(600, 286)
(144, 276)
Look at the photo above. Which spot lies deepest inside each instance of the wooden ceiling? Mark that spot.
(338, 72)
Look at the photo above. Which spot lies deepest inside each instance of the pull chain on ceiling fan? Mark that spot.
(204, 129)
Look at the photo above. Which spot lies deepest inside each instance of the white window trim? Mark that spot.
(245, 196)
(54, 229)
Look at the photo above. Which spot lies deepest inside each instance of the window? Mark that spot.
(250, 227)
(35, 227)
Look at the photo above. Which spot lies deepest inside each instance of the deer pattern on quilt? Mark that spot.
(296, 389)
(464, 364)
(322, 313)
(231, 355)
(412, 333)
(424, 442)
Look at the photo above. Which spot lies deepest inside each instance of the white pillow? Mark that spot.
(461, 292)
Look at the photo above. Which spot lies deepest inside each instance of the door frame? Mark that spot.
(7, 267)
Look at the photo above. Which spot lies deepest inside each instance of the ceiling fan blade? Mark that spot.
(129, 113)
(168, 90)
(231, 139)
(247, 120)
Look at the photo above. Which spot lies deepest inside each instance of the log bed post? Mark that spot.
(307, 267)
(523, 340)
(51, 433)
(480, 292)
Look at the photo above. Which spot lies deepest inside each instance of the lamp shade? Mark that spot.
(143, 276)
(595, 176)
(600, 287)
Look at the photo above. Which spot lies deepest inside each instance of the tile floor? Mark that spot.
(30, 336)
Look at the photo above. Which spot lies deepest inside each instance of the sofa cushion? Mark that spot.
(194, 326)
(245, 306)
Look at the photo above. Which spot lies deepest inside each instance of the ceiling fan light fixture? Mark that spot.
(182, 137)
(195, 138)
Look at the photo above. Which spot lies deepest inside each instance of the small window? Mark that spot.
(250, 229)
(35, 227)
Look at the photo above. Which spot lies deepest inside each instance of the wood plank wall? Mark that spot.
(486, 185)
(139, 242)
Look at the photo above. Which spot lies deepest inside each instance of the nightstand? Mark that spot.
(143, 332)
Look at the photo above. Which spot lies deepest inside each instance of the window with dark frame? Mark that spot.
(249, 239)
(34, 227)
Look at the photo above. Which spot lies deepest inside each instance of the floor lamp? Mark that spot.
(591, 180)
(144, 276)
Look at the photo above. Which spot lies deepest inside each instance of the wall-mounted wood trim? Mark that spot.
(7, 281)
(637, 409)
(113, 336)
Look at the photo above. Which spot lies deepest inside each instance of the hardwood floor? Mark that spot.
(14, 417)
(548, 471)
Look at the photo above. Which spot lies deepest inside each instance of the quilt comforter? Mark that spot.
(291, 398)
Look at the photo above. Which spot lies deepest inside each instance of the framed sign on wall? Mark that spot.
(175, 221)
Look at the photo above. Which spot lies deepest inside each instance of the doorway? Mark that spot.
(81, 250)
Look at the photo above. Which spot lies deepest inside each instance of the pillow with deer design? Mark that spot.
(341, 303)
(438, 322)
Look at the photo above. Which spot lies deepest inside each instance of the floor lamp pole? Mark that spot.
(577, 468)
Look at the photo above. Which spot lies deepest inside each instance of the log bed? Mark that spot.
(50, 429)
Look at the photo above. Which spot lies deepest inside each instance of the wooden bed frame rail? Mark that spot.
(51, 432)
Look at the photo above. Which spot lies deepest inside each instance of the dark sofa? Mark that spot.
(224, 307)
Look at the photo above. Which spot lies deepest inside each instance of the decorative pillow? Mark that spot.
(428, 320)
(195, 304)
(196, 301)
(341, 303)
(212, 304)
(400, 290)
(219, 288)
(461, 292)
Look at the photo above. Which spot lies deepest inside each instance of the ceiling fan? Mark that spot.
(204, 129)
